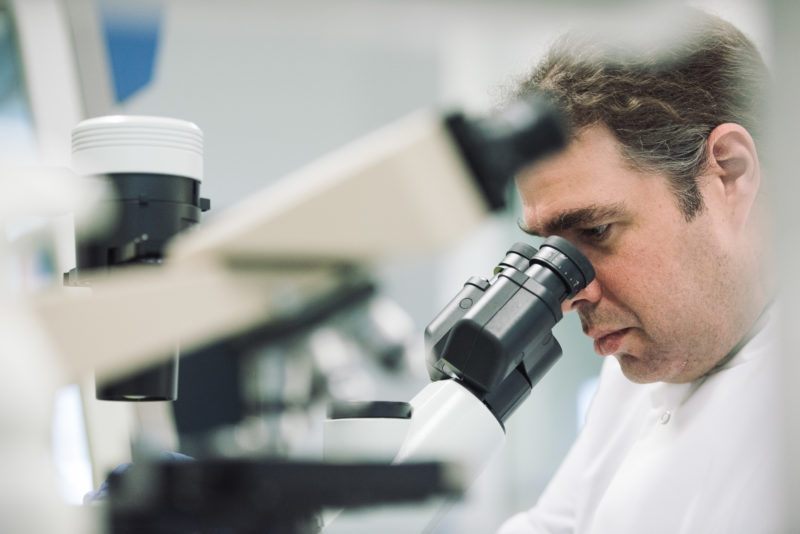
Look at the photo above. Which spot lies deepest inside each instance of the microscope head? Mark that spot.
(495, 336)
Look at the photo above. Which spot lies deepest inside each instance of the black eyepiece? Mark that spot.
(567, 261)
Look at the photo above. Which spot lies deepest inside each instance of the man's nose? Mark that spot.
(590, 294)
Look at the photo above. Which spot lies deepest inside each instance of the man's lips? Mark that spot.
(606, 343)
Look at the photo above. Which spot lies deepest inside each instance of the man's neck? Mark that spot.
(756, 327)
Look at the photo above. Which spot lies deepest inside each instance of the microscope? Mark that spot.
(152, 168)
(485, 351)
(408, 189)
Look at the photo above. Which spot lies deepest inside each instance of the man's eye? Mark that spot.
(596, 233)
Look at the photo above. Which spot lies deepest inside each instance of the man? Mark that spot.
(659, 187)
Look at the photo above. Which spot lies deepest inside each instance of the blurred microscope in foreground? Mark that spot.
(152, 168)
(275, 281)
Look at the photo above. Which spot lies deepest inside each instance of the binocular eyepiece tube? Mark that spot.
(495, 335)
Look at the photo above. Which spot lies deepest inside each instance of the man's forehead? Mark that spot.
(587, 183)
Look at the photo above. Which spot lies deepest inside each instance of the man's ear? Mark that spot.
(733, 170)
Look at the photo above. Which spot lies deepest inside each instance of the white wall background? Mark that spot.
(276, 84)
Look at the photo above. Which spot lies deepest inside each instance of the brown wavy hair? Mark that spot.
(660, 103)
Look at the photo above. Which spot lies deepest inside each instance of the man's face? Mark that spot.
(664, 299)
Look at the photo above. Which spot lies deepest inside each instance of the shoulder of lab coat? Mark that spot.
(556, 510)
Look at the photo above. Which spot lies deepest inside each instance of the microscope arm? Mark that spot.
(135, 317)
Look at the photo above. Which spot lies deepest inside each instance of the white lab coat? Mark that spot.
(675, 458)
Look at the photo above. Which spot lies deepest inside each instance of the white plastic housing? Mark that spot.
(451, 424)
(448, 424)
(404, 189)
(140, 144)
(375, 439)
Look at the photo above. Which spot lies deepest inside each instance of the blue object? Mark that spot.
(132, 39)
(102, 492)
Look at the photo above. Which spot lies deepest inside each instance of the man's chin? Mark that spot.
(637, 371)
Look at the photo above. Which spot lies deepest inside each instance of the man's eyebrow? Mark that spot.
(585, 217)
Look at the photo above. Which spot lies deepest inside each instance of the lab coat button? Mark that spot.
(665, 417)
